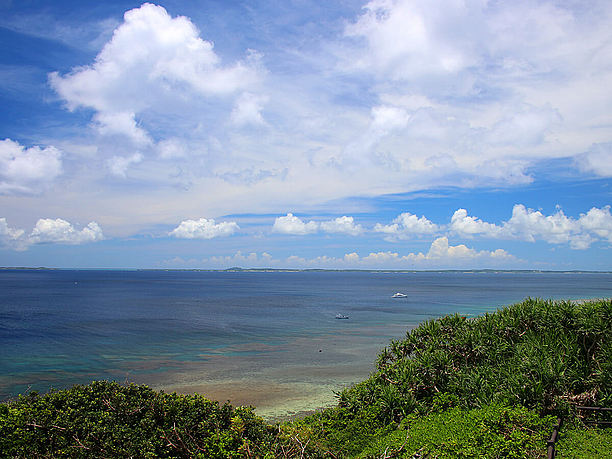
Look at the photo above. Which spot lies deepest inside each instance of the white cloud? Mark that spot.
(9, 233)
(12, 237)
(203, 229)
(597, 160)
(47, 230)
(60, 231)
(526, 124)
(152, 62)
(386, 118)
(406, 226)
(118, 165)
(290, 224)
(440, 255)
(410, 39)
(27, 169)
(440, 249)
(239, 259)
(465, 225)
(343, 225)
(415, 95)
(171, 149)
(122, 123)
(598, 221)
(492, 87)
(247, 110)
(531, 225)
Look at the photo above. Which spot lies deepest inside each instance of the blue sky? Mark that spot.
(303, 134)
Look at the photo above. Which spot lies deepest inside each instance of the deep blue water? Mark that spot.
(63, 327)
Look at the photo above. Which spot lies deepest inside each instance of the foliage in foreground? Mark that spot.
(106, 419)
(455, 387)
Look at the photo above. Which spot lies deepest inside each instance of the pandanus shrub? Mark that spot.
(537, 353)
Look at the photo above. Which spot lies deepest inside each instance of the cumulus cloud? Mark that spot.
(203, 229)
(598, 222)
(440, 249)
(49, 231)
(152, 63)
(342, 225)
(27, 170)
(60, 231)
(440, 255)
(466, 225)
(406, 226)
(524, 224)
(290, 224)
(531, 225)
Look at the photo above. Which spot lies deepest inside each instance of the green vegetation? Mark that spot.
(106, 419)
(495, 429)
(491, 386)
(591, 443)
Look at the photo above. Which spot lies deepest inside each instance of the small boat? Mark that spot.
(341, 316)
(399, 295)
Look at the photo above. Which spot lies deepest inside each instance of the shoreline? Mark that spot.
(278, 392)
(274, 402)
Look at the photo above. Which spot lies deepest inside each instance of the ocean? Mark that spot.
(269, 339)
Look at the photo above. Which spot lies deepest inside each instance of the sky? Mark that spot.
(390, 134)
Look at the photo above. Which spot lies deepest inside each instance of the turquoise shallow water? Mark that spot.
(268, 338)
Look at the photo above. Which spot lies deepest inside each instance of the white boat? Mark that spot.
(341, 316)
(400, 295)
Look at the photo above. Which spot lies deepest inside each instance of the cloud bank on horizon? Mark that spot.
(160, 123)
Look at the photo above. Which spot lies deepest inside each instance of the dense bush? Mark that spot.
(538, 354)
(107, 419)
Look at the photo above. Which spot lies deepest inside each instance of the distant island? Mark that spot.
(295, 270)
